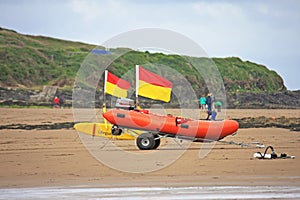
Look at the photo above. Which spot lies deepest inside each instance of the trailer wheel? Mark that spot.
(145, 141)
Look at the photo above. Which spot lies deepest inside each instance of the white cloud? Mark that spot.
(94, 10)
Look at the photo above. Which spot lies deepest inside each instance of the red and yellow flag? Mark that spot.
(115, 86)
(152, 85)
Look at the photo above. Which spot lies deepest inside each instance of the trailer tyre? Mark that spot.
(145, 141)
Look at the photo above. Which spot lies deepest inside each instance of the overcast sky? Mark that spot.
(266, 32)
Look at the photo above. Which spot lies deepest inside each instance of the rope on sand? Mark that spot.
(241, 144)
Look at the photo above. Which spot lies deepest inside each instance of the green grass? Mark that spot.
(34, 61)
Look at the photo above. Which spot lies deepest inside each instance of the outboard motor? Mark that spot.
(115, 130)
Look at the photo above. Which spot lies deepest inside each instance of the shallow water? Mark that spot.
(205, 192)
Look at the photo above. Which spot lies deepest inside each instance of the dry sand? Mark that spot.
(34, 158)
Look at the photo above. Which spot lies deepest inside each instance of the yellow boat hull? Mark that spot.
(101, 130)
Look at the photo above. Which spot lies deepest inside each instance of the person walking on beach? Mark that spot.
(208, 103)
(61, 102)
(219, 106)
(202, 102)
(56, 102)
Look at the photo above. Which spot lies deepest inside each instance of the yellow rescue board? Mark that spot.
(101, 130)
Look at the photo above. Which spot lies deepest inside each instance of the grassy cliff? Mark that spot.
(37, 60)
(33, 61)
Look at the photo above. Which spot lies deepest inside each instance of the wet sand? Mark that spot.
(46, 158)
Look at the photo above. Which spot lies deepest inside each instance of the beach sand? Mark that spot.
(58, 158)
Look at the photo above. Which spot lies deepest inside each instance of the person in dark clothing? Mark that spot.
(208, 102)
(61, 102)
(208, 115)
(212, 114)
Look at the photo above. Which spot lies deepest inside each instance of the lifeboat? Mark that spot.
(157, 126)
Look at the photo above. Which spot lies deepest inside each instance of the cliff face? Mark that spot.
(247, 76)
(284, 99)
(245, 100)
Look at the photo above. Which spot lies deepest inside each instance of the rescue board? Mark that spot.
(101, 130)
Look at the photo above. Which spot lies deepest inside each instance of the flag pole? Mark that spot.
(137, 78)
(104, 97)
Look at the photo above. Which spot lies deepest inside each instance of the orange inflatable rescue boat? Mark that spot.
(157, 126)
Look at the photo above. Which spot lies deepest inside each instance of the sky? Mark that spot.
(265, 32)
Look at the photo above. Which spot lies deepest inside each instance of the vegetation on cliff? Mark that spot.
(31, 61)
(37, 60)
